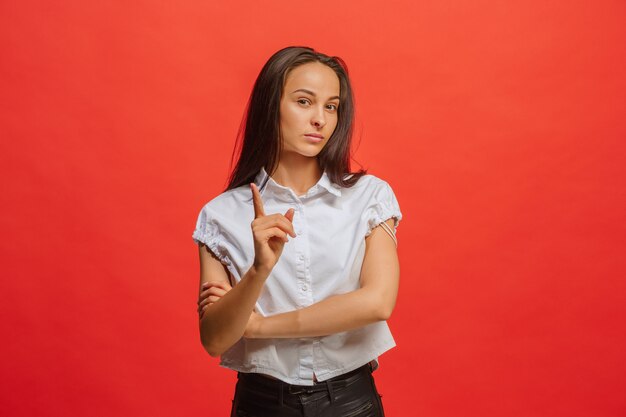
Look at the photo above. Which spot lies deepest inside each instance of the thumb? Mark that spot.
(289, 214)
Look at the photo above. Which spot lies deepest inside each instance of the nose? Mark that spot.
(319, 120)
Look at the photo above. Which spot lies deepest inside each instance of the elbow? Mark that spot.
(213, 353)
(384, 311)
(382, 306)
(213, 345)
(211, 349)
(214, 342)
(208, 343)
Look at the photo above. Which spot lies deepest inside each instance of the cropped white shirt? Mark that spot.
(324, 259)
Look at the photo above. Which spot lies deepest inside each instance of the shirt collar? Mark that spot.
(324, 182)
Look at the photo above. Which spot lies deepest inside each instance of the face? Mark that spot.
(309, 106)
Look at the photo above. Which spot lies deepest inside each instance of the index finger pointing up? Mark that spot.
(258, 203)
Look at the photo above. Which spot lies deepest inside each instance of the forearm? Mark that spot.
(334, 314)
(224, 322)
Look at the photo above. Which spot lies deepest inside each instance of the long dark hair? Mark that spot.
(260, 127)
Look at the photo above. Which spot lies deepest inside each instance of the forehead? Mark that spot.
(313, 76)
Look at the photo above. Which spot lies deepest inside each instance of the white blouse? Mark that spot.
(324, 259)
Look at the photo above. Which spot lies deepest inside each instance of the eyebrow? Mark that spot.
(304, 90)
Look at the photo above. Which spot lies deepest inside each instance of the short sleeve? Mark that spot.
(383, 205)
(208, 232)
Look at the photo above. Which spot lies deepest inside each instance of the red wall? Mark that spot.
(500, 125)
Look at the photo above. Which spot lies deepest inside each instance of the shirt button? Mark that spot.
(304, 288)
(301, 257)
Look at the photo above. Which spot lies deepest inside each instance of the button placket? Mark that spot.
(299, 251)
(306, 287)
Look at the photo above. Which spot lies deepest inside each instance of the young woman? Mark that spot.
(297, 279)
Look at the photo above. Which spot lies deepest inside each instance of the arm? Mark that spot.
(374, 301)
(223, 323)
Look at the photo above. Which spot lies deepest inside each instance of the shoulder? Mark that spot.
(362, 180)
(224, 209)
(369, 182)
(227, 200)
(370, 190)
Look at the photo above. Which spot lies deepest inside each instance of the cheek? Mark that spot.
(285, 117)
(292, 120)
(334, 123)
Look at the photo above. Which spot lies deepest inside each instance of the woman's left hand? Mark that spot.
(211, 292)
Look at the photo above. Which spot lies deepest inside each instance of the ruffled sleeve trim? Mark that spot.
(207, 231)
(384, 206)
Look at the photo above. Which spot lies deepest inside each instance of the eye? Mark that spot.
(334, 107)
(300, 100)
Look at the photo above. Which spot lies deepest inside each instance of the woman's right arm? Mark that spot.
(223, 324)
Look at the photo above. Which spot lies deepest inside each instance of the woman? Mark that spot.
(301, 320)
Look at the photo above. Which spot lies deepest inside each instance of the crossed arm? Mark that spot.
(373, 301)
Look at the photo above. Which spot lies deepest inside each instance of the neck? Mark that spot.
(299, 175)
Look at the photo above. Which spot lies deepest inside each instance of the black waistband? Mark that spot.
(339, 380)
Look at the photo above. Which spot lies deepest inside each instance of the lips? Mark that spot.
(314, 135)
(314, 138)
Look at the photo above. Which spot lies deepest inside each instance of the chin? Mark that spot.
(310, 154)
(311, 151)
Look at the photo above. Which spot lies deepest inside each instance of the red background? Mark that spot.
(500, 126)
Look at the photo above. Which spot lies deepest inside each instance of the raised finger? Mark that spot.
(257, 201)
